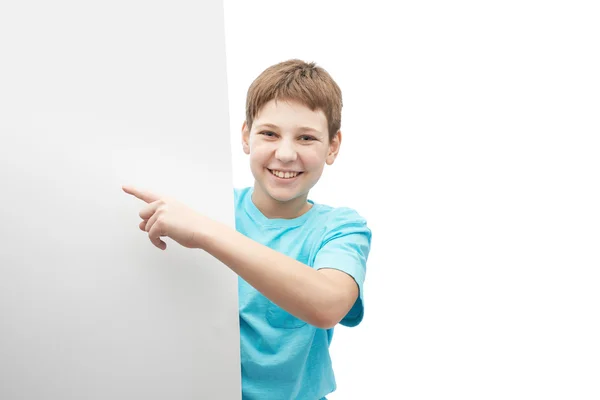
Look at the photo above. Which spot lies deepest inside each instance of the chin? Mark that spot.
(283, 196)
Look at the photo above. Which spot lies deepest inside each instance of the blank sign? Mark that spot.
(95, 95)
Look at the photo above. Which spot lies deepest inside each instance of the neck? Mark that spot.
(272, 208)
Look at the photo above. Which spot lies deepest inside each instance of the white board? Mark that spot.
(94, 95)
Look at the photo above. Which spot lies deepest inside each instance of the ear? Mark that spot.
(334, 148)
(245, 138)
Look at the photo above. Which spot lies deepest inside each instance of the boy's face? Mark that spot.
(288, 147)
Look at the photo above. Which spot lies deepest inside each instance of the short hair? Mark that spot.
(296, 80)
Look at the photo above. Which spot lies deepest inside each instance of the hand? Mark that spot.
(164, 216)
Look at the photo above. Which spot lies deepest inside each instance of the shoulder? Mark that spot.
(342, 221)
(345, 216)
(239, 194)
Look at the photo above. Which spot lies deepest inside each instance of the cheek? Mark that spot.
(259, 152)
(312, 159)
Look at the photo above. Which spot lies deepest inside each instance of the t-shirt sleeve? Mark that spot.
(346, 247)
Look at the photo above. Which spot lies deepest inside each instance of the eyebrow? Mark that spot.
(302, 129)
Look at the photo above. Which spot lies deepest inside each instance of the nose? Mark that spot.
(286, 152)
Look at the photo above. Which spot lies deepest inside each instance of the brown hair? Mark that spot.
(300, 81)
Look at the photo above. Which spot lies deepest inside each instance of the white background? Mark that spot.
(471, 146)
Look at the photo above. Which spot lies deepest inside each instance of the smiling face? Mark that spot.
(288, 146)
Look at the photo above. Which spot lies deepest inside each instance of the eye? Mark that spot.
(307, 138)
(268, 133)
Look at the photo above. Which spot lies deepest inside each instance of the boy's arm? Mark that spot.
(320, 297)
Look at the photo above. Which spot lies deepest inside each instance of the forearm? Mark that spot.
(297, 288)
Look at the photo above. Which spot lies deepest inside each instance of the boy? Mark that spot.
(301, 265)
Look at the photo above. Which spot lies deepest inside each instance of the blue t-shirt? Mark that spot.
(282, 356)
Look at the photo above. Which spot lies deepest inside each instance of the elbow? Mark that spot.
(326, 317)
(325, 322)
(329, 311)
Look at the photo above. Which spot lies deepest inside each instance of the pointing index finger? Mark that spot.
(140, 194)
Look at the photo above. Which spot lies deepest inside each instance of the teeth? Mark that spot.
(284, 175)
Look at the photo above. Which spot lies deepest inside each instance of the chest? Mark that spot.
(300, 242)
